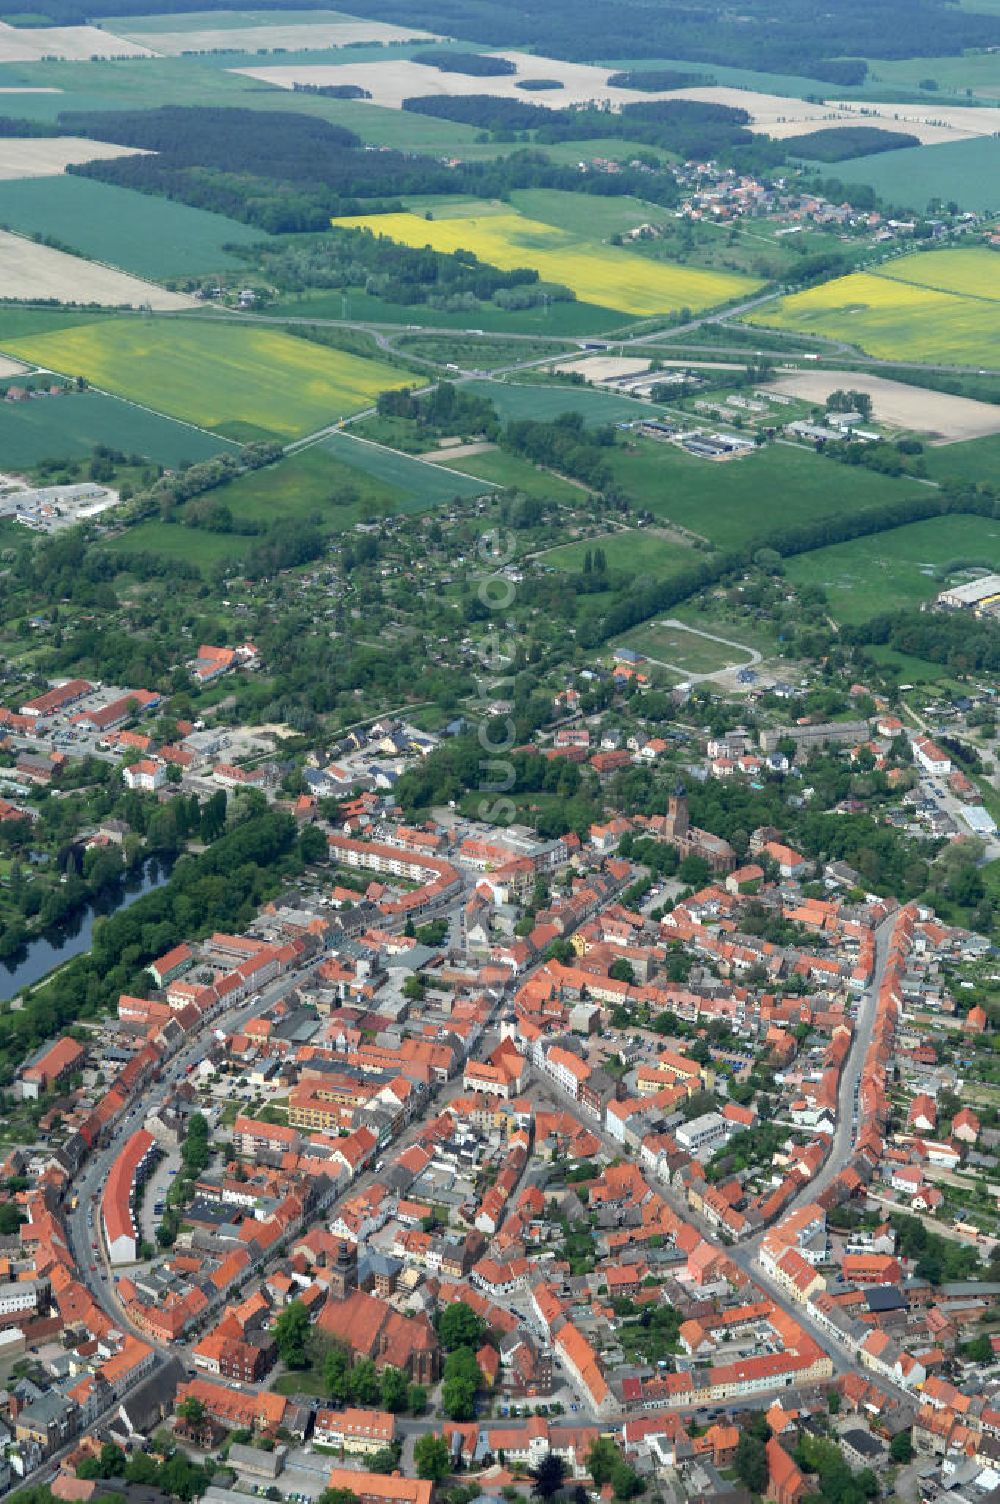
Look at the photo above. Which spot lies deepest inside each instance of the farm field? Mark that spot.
(69, 427)
(941, 416)
(150, 237)
(596, 273)
(683, 648)
(512, 472)
(969, 272)
(895, 569)
(41, 157)
(978, 71)
(640, 551)
(307, 484)
(238, 380)
(15, 321)
(890, 318)
(28, 44)
(733, 503)
(965, 171)
(397, 78)
(259, 31)
(149, 82)
(515, 399)
(418, 483)
(33, 272)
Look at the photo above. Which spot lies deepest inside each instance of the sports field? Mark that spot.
(896, 569)
(231, 378)
(69, 427)
(150, 237)
(734, 503)
(937, 307)
(597, 273)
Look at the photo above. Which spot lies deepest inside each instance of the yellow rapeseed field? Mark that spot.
(972, 272)
(893, 319)
(605, 275)
(215, 374)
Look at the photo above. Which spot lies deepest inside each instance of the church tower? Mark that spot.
(677, 814)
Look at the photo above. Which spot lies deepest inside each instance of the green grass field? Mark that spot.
(69, 427)
(418, 483)
(570, 320)
(513, 473)
(895, 569)
(681, 648)
(973, 460)
(15, 321)
(975, 71)
(639, 551)
(234, 378)
(517, 399)
(479, 353)
(151, 237)
(190, 544)
(310, 484)
(736, 501)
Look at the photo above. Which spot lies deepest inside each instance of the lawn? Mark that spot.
(416, 482)
(639, 551)
(516, 474)
(517, 399)
(150, 237)
(891, 318)
(69, 427)
(896, 569)
(681, 648)
(733, 502)
(235, 378)
(596, 273)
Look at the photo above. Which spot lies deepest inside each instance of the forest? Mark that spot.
(782, 36)
(689, 128)
(477, 64)
(288, 173)
(838, 143)
(957, 641)
(400, 274)
(652, 80)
